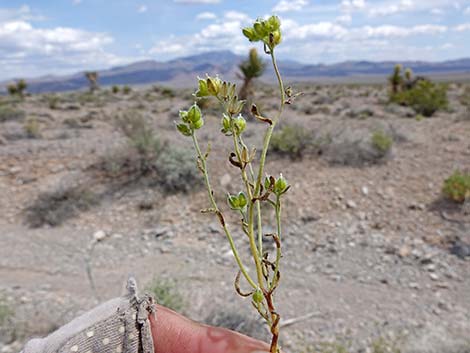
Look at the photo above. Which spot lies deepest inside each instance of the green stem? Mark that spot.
(216, 208)
(278, 249)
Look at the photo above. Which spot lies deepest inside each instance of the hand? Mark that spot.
(173, 333)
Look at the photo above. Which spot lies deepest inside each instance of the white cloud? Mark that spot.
(197, 1)
(388, 31)
(352, 5)
(76, 2)
(315, 30)
(28, 50)
(391, 9)
(206, 16)
(467, 11)
(23, 13)
(344, 19)
(290, 5)
(142, 9)
(462, 27)
(437, 11)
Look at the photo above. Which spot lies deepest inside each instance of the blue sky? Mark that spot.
(63, 36)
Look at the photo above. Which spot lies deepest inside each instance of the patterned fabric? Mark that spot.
(120, 325)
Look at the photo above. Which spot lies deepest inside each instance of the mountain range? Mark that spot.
(182, 72)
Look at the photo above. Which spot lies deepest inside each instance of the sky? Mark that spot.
(40, 37)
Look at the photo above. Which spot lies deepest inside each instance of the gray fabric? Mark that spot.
(120, 325)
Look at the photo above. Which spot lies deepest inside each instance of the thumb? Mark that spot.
(173, 333)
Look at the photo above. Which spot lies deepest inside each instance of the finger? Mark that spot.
(173, 333)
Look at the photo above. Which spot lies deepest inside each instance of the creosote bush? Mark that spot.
(291, 141)
(457, 187)
(381, 141)
(9, 113)
(31, 128)
(171, 167)
(53, 208)
(256, 187)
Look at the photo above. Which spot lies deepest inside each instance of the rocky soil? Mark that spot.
(374, 256)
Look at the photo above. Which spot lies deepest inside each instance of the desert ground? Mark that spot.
(375, 258)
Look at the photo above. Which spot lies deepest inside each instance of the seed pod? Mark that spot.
(184, 129)
(194, 114)
(258, 296)
(226, 128)
(280, 185)
(242, 200)
(202, 91)
(233, 202)
(239, 124)
(197, 125)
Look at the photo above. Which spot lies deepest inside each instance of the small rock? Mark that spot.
(414, 285)
(404, 251)
(365, 190)
(99, 235)
(434, 276)
(351, 204)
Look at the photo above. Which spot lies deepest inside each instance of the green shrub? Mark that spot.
(142, 137)
(53, 208)
(7, 113)
(53, 101)
(381, 141)
(290, 140)
(167, 92)
(425, 97)
(115, 89)
(31, 128)
(176, 171)
(6, 312)
(457, 187)
(166, 293)
(126, 89)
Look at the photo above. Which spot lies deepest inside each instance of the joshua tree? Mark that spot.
(92, 77)
(396, 79)
(17, 88)
(251, 68)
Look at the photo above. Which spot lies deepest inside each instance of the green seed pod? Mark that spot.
(249, 32)
(258, 296)
(260, 29)
(202, 91)
(242, 200)
(213, 85)
(274, 23)
(194, 114)
(184, 129)
(280, 185)
(226, 128)
(197, 125)
(275, 38)
(267, 181)
(233, 202)
(239, 124)
(184, 116)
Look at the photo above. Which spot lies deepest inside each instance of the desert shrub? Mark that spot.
(291, 141)
(115, 89)
(53, 208)
(381, 141)
(170, 167)
(176, 171)
(465, 101)
(17, 88)
(168, 92)
(457, 186)
(8, 113)
(53, 101)
(425, 97)
(166, 293)
(6, 312)
(141, 136)
(233, 319)
(31, 128)
(126, 89)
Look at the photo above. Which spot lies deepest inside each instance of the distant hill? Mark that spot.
(182, 72)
